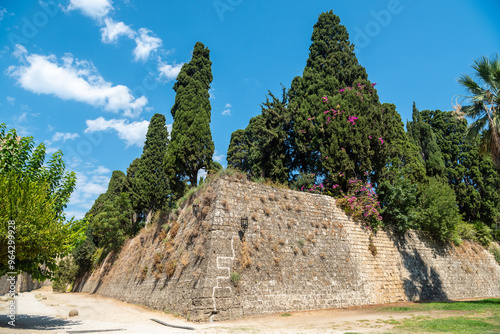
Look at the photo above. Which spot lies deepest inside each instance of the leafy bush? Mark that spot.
(483, 234)
(438, 211)
(496, 253)
(64, 275)
(361, 202)
(398, 200)
(303, 181)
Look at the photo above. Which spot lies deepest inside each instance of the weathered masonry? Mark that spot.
(299, 252)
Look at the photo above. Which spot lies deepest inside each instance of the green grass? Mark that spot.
(475, 305)
(478, 316)
(458, 325)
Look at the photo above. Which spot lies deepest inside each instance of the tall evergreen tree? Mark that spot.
(331, 66)
(117, 185)
(472, 176)
(422, 135)
(238, 151)
(150, 180)
(191, 148)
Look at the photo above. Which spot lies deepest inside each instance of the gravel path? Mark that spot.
(43, 311)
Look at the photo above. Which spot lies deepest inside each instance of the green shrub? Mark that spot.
(398, 200)
(64, 275)
(438, 211)
(496, 253)
(483, 234)
(235, 277)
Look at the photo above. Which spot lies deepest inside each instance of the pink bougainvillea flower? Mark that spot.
(326, 158)
(326, 111)
(341, 90)
(374, 84)
(370, 137)
(381, 141)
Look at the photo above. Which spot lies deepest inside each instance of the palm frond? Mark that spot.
(469, 84)
(483, 68)
(476, 128)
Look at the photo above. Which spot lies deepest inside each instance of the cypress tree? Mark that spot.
(472, 176)
(422, 135)
(150, 181)
(331, 66)
(339, 128)
(191, 148)
(238, 151)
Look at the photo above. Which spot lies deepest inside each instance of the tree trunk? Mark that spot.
(193, 179)
(495, 148)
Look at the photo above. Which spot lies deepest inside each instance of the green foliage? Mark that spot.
(361, 202)
(238, 151)
(83, 252)
(495, 251)
(303, 181)
(483, 234)
(64, 275)
(117, 185)
(422, 135)
(191, 148)
(484, 107)
(113, 224)
(20, 156)
(235, 277)
(438, 210)
(472, 176)
(149, 183)
(33, 197)
(398, 199)
(332, 90)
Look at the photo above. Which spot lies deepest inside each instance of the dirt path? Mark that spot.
(43, 311)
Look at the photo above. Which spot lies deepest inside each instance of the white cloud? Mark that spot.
(132, 133)
(89, 186)
(74, 213)
(169, 72)
(72, 79)
(96, 9)
(218, 157)
(21, 118)
(145, 44)
(227, 110)
(58, 136)
(3, 11)
(100, 170)
(11, 100)
(113, 30)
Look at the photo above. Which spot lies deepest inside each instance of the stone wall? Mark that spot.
(24, 283)
(299, 252)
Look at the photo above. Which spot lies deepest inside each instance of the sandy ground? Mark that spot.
(43, 311)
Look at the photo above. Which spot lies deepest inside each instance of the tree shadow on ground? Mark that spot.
(37, 322)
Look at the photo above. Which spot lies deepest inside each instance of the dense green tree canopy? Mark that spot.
(191, 148)
(484, 107)
(472, 176)
(150, 183)
(33, 196)
(422, 135)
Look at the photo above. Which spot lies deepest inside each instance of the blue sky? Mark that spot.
(85, 76)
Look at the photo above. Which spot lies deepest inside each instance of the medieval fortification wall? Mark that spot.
(299, 252)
